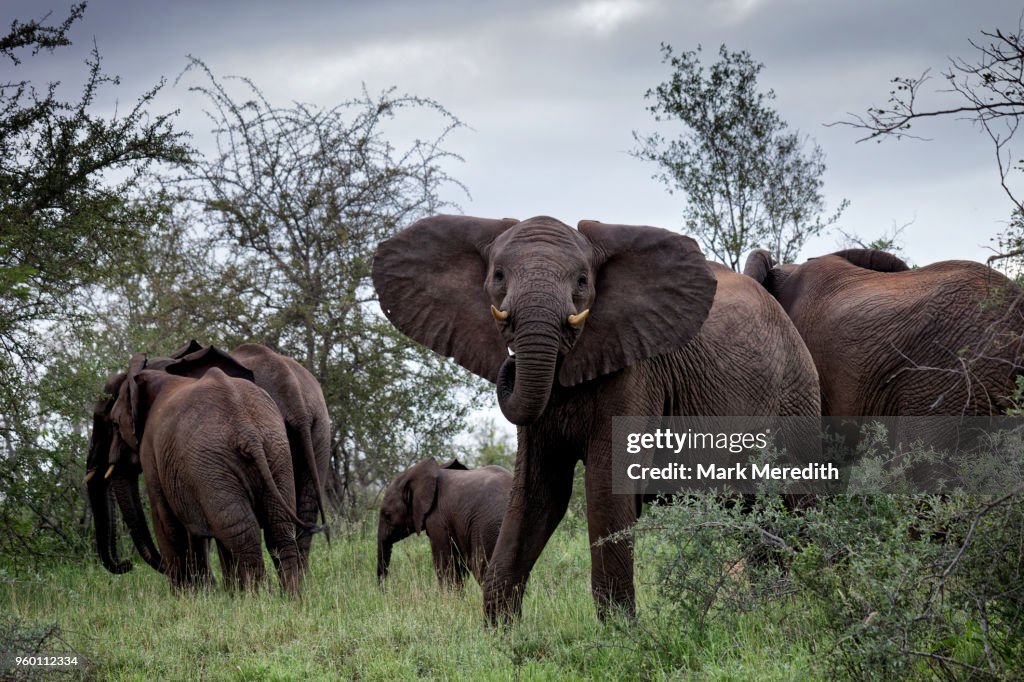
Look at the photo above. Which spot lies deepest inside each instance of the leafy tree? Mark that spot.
(891, 240)
(64, 226)
(491, 444)
(749, 181)
(285, 216)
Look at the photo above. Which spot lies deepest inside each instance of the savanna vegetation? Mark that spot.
(118, 234)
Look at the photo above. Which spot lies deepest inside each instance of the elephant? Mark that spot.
(604, 320)
(888, 340)
(460, 509)
(215, 456)
(120, 468)
(299, 399)
(301, 402)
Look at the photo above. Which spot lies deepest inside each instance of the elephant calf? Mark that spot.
(460, 509)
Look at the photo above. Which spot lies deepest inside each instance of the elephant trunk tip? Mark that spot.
(120, 567)
(519, 404)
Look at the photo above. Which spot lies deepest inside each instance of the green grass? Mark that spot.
(131, 627)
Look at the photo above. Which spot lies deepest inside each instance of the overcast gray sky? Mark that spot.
(553, 91)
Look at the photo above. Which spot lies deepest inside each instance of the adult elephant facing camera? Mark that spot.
(606, 320)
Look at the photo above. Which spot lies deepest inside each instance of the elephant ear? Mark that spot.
(190, 347)
(654, 290)
(199, 362)
(758, 266)
(422, 489)
(455, 465)
(873, 259)
(430, 281)
(129, 409)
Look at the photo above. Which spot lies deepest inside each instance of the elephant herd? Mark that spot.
(601, 321)
(229, 445)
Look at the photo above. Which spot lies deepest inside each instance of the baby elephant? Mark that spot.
(459, 508)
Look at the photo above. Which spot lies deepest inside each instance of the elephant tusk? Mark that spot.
(576, 320)
(110, 470)
(88, 475)
(499, 315)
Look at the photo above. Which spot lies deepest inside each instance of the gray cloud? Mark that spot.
(554, 89)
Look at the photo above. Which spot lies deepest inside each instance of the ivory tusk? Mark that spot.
(576, 320)
(88, 475)
(110, 470)
(499, 315)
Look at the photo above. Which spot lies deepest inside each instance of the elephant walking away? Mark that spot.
(604, 321)
(301, 402)
(216, 461)
(460, 510)
(888, 340)
(299, 399)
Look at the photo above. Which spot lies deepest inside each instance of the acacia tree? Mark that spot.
(749, 181)
(294, 201)
(988, 92)
(64, 226)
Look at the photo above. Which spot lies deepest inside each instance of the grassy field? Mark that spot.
(131, 627)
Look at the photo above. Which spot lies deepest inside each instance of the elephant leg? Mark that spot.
(171, 536)
(197, 562)
(228, 567)
(238, 534)
(279, 535)
(461, 570)
(306, 509)
(537, 502)
(611, 563)
(446, 562)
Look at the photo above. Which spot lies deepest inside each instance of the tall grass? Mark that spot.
(131, 627)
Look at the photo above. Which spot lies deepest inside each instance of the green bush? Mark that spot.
(885, 586)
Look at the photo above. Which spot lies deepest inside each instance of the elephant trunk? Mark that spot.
(384, 545)
(126, 490)
(525, 379)
(105, 522)
(100, 499)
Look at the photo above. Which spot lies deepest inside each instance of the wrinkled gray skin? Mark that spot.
(667, 334)
(301, 402)
(887, 340)
(460, 510)
(215, 456)
(293, 389)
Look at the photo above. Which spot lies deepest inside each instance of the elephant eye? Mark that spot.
(499, 275)
(582, 282)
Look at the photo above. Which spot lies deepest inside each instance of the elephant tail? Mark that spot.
(309, 452)
(258, 453)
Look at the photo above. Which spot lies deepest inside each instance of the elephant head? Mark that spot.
(407, 501)
(572, 305)
(113, 464)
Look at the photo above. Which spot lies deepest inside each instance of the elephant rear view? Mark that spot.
(888, 340)
(460, 509)
(215, 456)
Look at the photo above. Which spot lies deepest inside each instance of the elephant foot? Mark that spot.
(615, 610)
(503, 606)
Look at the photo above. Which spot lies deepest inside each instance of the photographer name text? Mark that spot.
(734, 472)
